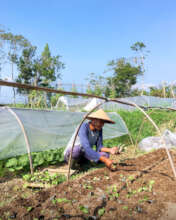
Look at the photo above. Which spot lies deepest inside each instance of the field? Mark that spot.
(143, 187)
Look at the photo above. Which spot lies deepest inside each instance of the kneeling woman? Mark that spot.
(90, 134)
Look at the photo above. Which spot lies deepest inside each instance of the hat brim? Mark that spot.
(105, 121)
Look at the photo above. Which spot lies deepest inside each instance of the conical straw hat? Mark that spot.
(100, 114)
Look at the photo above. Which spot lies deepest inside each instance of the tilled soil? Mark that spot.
(141, 188)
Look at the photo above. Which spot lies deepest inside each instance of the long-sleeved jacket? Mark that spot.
(87, 139)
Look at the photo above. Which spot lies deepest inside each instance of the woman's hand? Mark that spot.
(114, 150)
(107, 161)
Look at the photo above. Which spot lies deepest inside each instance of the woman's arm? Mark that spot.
(113, 150)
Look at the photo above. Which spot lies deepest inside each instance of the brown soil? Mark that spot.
(141, 188)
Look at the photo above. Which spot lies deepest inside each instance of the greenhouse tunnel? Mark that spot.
(44, 130)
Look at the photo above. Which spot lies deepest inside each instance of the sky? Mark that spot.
(90, 33)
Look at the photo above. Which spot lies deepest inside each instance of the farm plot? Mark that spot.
(141, 188)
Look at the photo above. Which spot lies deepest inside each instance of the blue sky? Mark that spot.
(90, 33)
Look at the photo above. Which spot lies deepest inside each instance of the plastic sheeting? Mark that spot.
(45, 130)
(72, 103)
(147, 101)
(151, 143)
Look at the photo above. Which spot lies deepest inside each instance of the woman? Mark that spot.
(90, 134)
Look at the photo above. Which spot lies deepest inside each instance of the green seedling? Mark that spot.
(114, 188)
(151, 185)
(125, 207)
(131, 193)
(44, 178)
(112, 191)
(141, 189)
(87, 186)
(144, 199)
(84, 209)
(116, 195)
(60, 200)
(29, 208)
(101, 211)
(131, 178)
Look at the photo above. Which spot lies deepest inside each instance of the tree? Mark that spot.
(26, 64)
(39, 71)
(97, 84)
(163, 90)
(124, 76)
(139, 48)
(15, 43)
(48, 68)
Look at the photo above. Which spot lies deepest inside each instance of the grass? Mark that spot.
(140, 127)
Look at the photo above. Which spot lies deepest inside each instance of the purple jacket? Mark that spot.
(85, 134)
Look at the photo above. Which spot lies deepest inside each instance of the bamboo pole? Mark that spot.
(26, 86)
(172, 91)
(30, 87)
(164, 90)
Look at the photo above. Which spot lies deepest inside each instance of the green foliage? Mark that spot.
(124, 76)
(45, 178)
(54, 99)
(60, 200)
(101, 211)
(15, 43)
(125, 207)
(166, 91)
(38, 71)
(138, 46)
(44, 158)
(37, 99)
(29, 209)
(135, 119)
(11, 163)
(84, 209)
(98, 84)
